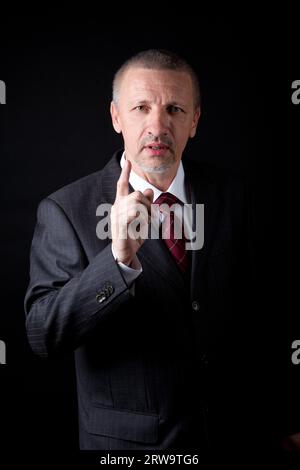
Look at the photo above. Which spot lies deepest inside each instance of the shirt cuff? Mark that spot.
(130, 273)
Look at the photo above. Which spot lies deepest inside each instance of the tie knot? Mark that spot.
(167, 198)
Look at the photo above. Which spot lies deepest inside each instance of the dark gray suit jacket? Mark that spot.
(141, 360)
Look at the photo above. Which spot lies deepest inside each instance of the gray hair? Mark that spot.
(157, 59)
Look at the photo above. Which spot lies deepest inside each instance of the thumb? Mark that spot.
(149, 194)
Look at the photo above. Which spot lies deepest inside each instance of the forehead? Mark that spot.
(141, 84)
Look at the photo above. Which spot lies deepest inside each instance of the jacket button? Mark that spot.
(106, 291)
(195, 306)
(110, 289)
(100, 297)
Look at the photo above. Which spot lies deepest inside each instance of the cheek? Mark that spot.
(132, 138)
(130, 134)
(182, 135)
(133, 128)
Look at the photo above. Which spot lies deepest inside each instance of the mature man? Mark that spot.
(136, 309)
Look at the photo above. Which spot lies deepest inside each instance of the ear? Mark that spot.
(196, 117)
(115, 117)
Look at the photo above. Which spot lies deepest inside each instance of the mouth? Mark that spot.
(156, 149)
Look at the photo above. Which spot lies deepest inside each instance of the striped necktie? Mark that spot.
(176, 246)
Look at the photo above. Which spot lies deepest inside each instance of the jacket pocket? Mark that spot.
(123, 424)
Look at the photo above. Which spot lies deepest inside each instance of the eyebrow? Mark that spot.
(171, 103)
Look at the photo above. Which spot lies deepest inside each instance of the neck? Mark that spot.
(161, 181)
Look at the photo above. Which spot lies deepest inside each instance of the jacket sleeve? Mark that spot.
(67, 296)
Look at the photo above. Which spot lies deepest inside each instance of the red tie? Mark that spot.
(176, 246)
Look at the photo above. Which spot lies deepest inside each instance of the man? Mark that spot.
(135, 310)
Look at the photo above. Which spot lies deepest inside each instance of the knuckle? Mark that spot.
(138, 196)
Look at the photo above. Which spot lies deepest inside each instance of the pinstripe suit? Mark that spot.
(141, 360)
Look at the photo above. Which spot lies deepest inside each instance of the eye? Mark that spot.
(173, 109)
(141, 107)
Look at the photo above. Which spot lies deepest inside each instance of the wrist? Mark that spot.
(127, 261)
(121, 258)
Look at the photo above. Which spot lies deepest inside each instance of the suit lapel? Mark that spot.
(157, 256)
(109, 178)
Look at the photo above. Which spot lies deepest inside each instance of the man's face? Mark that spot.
(156, 115)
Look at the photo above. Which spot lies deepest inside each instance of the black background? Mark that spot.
(56, 128)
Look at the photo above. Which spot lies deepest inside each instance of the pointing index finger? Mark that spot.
(123, 181)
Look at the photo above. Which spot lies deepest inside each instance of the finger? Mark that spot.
(123, 181)
(137, 197)
(149, 194)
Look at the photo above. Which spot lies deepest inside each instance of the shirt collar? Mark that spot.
(177, 187)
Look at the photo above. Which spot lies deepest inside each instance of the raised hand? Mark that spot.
(126, 208)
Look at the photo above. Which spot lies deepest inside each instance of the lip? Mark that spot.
(152, 151)
(156, 144)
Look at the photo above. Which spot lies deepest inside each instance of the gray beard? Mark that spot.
(157, 169)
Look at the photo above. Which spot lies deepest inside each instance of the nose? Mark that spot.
(158, 123)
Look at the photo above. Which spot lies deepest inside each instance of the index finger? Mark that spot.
(123, 181)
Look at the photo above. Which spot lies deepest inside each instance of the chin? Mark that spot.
(155, 165)
(155, 169)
